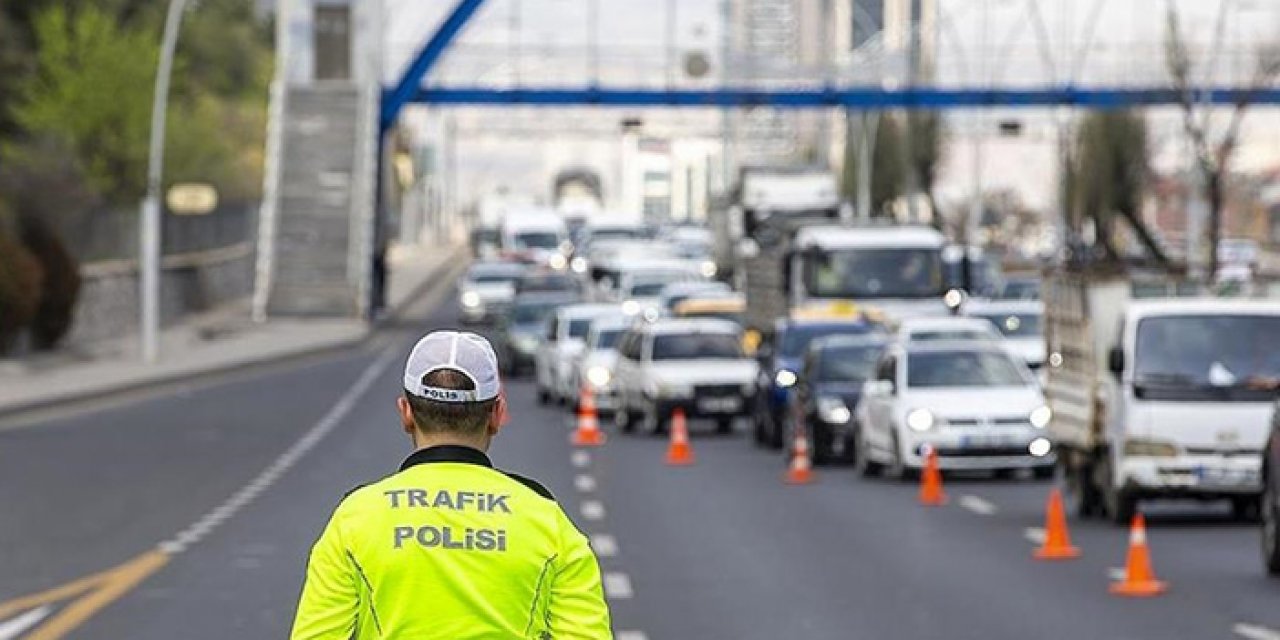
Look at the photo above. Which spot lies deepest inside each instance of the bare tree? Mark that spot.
(1213, 150)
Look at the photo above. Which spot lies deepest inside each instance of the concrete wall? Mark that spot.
(191, 283)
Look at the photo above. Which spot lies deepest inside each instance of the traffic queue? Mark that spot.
(854, 344)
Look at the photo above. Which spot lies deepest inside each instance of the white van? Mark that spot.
(538, 236)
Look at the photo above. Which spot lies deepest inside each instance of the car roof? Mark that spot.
(668, 326)
(587, 310)
(1139, 309)
(1004, 306)
(947, 346)
(839, 237)
(934, 324)
(610, 321)
(544, 297)
(860, 340)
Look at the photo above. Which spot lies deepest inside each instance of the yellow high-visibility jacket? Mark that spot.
(451, 548)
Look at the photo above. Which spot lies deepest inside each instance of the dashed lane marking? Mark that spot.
(593, 510)
(605, 545)
(617, 586)
(1035, 535)
(15, 627)
(1255, 632)
(584, 483)
(977, 505)
(581, 459)
(630, 635)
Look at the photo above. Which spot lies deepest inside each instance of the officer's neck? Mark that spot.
(427, 440)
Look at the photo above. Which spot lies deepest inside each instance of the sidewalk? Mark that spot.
(221, 340)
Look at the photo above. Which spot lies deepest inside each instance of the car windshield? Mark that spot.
(797, 338)
(934, 335)
(579, 328)
(606, 338)
(1020, 290)
(615, 234)
(547, 282)
(491, 274)
(847, 363)
(650, 288)
(875, 273)
(533, 312)
(1014, 325)
(932, 369)
(1208, 357)
(693, 346)
(537, 240)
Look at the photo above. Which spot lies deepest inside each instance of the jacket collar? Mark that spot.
(447, 453)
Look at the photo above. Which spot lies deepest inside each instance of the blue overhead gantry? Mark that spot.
(410, 89)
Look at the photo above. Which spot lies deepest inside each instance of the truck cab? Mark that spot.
(1160, 398)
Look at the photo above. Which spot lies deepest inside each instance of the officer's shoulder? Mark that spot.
(532, 484)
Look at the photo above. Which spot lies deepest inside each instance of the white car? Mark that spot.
(915, 330)
(1020, 323)
(563, 340)
(487, 289)
(695, 365)
(595, 366)
(677, 292)
(974, 404)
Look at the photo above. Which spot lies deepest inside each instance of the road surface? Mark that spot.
(189, 514)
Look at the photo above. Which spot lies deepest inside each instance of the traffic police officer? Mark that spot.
(449, 547)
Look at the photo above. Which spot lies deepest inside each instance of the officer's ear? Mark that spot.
(406, 415)
(500, 417)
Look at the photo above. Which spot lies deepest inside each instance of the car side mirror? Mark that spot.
(1115, 360)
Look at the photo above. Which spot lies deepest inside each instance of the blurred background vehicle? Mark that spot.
(946, 329)
(485, 291)
(561, 345)
(972, 403)
(825, 399)
(725, 307)
(595, 366)
(677, 292)
(696, 366)
(1019, 321)
(520, 332)
(537, 236)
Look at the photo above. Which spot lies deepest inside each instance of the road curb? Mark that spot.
(435, 279)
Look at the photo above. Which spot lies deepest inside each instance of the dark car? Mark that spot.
(780, 358)
(827, 395)
(1271, 496)
(547, 282)
(520, 331)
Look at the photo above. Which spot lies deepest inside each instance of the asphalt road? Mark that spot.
(721, 549)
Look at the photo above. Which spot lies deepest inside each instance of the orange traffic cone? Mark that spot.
(931, 493)
(679, 453)
(1139, 580)
(588, 433)
(801, 469)
(1057, 542)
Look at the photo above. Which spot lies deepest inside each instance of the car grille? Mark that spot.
(981, 452)
(989, 422)
(718, 390)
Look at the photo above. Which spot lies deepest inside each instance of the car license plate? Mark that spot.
(718, 405)
(986, 441)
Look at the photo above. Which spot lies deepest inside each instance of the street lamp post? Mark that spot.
(149, 223)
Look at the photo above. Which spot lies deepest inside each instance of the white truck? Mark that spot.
(1152, 398)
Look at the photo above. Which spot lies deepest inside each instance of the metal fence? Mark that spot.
(112, 234)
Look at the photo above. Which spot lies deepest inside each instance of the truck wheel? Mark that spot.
(1271, 530)
(724, 426)
(1086, 499)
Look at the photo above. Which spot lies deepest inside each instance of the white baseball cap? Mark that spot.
(465, 352)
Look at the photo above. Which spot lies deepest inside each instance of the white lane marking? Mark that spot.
(581, 459)
(584, 483)
(19, 625)
(1255, 632)
(977, 505)
(1035, 534)
(593, 510)
(1117, 573)
(605, 545)
(617, 586)
(630, 635)
(207, 523)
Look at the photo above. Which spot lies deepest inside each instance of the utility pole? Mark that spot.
(150, 220)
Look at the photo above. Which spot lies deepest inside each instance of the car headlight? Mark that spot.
(578, 264)
(708, 269)
(785, 378)
(631, 307)
(599, 376)
(1040, 417)
(1040, 447)
(1151, 448)
(470, 299)
(920, 420)
(833, 410)
(557, 261)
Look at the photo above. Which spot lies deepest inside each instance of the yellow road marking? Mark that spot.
(86, 595)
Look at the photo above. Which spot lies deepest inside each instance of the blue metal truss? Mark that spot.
(394, 99)
(843, 97)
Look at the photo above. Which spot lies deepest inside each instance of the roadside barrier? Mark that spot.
(1139, 579)
(679, 452)
(588, 433)
(1057, 540)
(800, 470)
